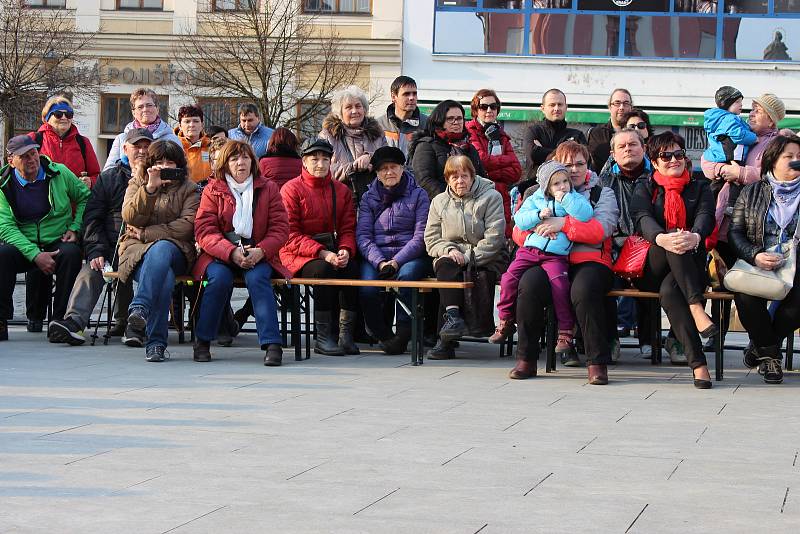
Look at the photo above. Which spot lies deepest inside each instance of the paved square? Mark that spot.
(94, 439)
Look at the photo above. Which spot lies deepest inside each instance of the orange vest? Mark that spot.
(197, 161)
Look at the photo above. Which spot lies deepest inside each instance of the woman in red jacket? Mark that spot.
(322, 243)
(281, 162)
(240, 227)
(494, 147)
(61, 142)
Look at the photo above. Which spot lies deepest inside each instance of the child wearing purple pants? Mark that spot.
(555, 197)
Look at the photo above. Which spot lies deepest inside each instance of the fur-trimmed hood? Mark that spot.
(372, 129)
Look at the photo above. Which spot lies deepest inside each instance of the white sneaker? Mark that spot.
(646, 352)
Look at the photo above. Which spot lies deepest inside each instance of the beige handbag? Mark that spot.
(771, 285)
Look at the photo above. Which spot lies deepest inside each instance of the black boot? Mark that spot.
(398, 344)
(442, 351)
(325, 343)
(273, 356)
(347, 328)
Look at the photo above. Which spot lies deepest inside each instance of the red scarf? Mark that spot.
(312, 180)
(674, 209)
(452, 138)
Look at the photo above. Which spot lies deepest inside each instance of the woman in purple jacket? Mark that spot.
(390, 235)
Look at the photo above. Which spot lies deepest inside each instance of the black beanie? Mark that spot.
(726, 96)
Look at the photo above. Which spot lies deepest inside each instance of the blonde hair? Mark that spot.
(52, 101)
(457, 164)
(141, 92)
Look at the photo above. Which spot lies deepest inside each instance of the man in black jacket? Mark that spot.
(542, 137)
(619, 103)
(102, 226)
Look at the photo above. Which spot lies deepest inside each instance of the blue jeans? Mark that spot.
(371, 297)
(156, 276)
(217, 297)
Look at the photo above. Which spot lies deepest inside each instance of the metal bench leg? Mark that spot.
(415, 330)
(283, 294)
(306, 303)
(550, 340)
(789, 351)
(655, 317)
(719, 342)
(295, 297)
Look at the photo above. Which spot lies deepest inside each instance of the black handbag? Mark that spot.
(329, 240)
(479, 299)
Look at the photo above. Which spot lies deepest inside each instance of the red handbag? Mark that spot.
(632, 258)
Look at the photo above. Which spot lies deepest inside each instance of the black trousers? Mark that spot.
(449, 271)
(765, 330)
(596, 313)
(680, 280)
(324, 296)
(68, 265)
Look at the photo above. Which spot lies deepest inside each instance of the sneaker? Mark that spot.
(773, 374)
(3, 330)
(750, 359)
(137, 320)
(454, 326)
(504, 329)
(132, 338)
(66, 331)
(35, 326)
(565, 348)
(156, 353)
(442, 351)
(646, 352)
(677, 356)
(616, 350)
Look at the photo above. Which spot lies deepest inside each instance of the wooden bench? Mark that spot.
(415, 308)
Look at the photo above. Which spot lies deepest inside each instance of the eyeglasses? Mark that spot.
(620, 104)
(62, 114)
(454, 120)
(143, 107)
(677, 154)
(637, 126)
(485, 107)
(575, 164)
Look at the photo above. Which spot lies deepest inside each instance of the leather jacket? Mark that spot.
(746, 232)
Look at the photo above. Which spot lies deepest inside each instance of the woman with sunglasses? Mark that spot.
(639, 121)
(60, 140)
(443, 136)
(675, 213)
(494, 147)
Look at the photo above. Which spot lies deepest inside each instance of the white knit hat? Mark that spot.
(773, 106)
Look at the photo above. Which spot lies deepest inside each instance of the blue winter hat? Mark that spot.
(60, 106)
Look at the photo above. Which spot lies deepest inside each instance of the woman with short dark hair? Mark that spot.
(639, 121)
(240, 226)
(158, 244)
(675, 213)
(764, 222)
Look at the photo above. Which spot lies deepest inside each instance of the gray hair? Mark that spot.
(351, 92)
(626, 131)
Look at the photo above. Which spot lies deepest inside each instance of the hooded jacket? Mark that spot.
(527, 217)
(398, 132)
(280, 168)
(64, 190)
(309, 205)
(197, 162)
(393, 233)
(427, 156)
(550, 134)
(333, 131)
(162, 132)
(67, 151)
(623, 186)
(472, 223)
(717, 122)
(258, 139)
(103, 216)
(215, 218)
(504, 169)
(168, 214)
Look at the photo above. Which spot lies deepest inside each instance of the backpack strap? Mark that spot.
(594, 195)
(39, 139)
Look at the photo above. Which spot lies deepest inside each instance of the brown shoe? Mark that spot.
(598, 374)
(273, 356)
(202, 351)
(524, 369)
(504, 329)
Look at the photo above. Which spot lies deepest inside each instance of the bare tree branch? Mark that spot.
(270, 53)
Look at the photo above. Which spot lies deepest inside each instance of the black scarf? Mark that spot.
(389, 196)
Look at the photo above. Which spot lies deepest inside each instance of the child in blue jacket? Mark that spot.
(729, 136)
(555, 197)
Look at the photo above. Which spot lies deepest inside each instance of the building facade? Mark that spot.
(671, 54)
(135, 39)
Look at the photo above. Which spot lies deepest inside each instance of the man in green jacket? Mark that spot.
(38, 229)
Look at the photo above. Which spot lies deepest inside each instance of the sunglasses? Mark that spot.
(485, 107)
(637, 126)
(62, 114)
(677, 154)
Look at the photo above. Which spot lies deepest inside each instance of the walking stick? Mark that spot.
(108, 294)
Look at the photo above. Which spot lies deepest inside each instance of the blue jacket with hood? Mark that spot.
(718, 122)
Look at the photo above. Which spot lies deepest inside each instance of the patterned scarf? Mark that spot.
(785, 199)
(152, 127)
